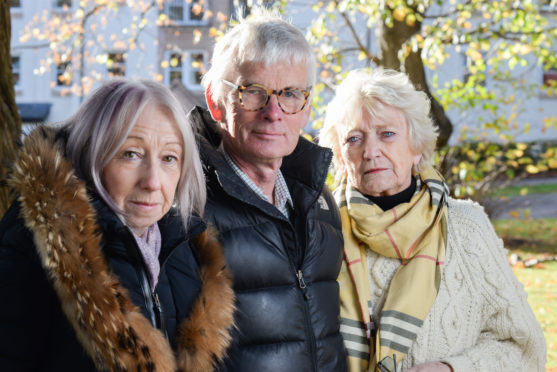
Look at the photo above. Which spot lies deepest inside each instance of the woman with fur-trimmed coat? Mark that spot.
(104, 263)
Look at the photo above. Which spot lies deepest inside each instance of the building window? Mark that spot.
(195, 67)
(15, 4)
(549, 80)
(63, 74)
(16, 69)
(175, 68)
(186, 12)
(474, 66)
(116, 64)
(188, 68)
(62, 4)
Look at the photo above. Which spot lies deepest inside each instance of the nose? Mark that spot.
(151, 179)
(372, 148)
(272, 111)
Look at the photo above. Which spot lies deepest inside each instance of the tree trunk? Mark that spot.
(10, 123)
(391, 40)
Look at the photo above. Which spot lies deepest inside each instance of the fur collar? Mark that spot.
(57, 210)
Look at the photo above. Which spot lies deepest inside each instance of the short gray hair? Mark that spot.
(105, 119)
(364, 92)
(263, 37)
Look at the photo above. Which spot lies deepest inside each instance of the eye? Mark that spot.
(293, 93)
(352, 139)
(170, 159)
(388, 133)
(130, 155)
(255, 91)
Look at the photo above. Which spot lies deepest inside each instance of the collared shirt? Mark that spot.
(281, 194)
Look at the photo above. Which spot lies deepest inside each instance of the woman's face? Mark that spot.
(376, 153)
(143, 175)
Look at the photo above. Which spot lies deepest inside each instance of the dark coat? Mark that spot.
(75, 288)
(284, 270)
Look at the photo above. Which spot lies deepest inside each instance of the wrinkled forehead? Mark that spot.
(288, 71)
(369, 115)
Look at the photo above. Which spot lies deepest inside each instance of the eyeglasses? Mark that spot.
(387, 364)
(255, 97)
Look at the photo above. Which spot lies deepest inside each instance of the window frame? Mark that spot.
(179, 68)
(186, 11)
(116, 65)
(57, 84)
(17, 84)
(188, 69)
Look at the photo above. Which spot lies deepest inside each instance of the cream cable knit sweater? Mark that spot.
(480, 320)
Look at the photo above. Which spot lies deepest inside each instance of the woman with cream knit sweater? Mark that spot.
(425, 284)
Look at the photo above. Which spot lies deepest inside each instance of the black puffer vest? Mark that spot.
(284, 270)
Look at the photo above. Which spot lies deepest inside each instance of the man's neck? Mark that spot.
(263, 173)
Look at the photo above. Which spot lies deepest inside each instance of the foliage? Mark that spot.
(501, 41)
(471, 168)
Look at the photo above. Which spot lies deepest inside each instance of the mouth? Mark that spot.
(267, 134)
(145, 205)
(375, 170)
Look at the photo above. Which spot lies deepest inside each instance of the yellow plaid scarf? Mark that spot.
(414, 232)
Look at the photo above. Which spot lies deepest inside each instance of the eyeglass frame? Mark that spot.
(270, 92)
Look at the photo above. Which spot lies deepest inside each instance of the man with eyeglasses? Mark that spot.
(267, 197)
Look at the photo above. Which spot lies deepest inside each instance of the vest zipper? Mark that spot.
(159, 313)
(309, 328)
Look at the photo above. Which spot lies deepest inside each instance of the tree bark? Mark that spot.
(391, 40)
(10, 122)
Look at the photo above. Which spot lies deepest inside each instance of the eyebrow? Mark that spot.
(166, 143)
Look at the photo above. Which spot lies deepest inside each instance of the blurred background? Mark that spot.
(489, 67)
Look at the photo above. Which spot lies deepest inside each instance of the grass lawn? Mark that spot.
(541, 286)
(536, 238)
(523, 190)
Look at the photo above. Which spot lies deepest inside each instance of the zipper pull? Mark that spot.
(157, 302)
(300, 277)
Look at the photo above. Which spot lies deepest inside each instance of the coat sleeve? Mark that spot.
(26, 299)
(510, 337)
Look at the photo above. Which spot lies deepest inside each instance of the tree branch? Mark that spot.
(356, 38)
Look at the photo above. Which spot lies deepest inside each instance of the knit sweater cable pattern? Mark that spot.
(480, 320)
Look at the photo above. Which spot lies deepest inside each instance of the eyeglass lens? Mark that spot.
(290, 100)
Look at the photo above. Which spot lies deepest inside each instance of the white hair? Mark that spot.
(264, 38)
(104, 121)
(367, 93)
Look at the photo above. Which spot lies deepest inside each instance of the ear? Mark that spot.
(216, 111)
(416, 159)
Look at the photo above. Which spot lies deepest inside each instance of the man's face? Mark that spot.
(267, 135)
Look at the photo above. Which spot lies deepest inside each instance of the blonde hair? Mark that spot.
(365, 93)
(105, 119)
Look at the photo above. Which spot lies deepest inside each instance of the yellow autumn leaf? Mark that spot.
(213, 32)
(524, 191)
(552, 163)
(532, 169)
(411, 20)
(513, 214)
(400, 13)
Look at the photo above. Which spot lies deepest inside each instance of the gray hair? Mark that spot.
(263, 37)
(105, 119)
(366, 93)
